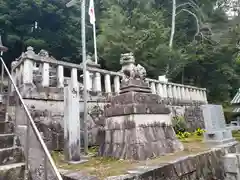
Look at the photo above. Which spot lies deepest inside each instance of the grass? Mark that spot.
(103, 167)
(236, 135)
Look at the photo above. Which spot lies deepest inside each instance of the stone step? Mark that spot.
(6, 140)
(11, 155)
(12, 171)
(6, 127)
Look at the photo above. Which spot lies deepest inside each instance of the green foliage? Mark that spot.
(179, 124)
(199, 132)
(204, 54)
(195, 135)
(183, 135)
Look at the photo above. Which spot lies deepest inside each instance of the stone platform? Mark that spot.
(138, 125)
(139, 136)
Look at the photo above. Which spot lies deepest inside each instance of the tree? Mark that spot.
(140, 30)
(58, 28)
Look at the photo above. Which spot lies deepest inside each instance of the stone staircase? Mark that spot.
(12, 163)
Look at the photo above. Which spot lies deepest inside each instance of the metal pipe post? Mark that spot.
(84, 62)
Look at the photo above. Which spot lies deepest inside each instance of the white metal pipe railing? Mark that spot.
(30, 123)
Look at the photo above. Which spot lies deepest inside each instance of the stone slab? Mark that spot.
(129, 109)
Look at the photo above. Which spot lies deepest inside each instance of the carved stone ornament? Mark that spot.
(43, 53)
(130, 70)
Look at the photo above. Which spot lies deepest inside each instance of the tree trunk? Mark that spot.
(173, 24)
(172, 31)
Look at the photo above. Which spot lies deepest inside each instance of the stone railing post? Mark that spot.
(45, 69)
(191, 94)
(160, 89)
(199, 95)
(74, 79)
(205, 95)
(174, 88)
(60, 76)
(45, 75)
(27, 69)
(178, 92)
(107, 83)
(183, 93)
(153, 87)
(187, 93)
(165, 94)
(117, 84)
(89, 82)
(195, 95)
(169, 90)
(97, 82)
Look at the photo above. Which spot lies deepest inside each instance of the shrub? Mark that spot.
(179, 124)
(199, 132)
(183, 135)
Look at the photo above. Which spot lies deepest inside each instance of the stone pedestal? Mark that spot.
(216, 130)
(138, 125)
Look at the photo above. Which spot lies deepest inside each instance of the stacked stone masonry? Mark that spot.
(206, 165)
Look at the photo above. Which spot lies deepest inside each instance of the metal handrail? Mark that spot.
(34, 127)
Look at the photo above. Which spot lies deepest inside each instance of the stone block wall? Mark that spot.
(208, 165)
(47, 111)
(192, 114)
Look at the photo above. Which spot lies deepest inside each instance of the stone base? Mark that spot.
(218, 137)
(139, 137)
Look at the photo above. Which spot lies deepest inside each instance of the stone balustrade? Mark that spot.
(31, 68)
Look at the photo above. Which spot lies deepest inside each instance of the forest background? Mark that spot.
(193, 42)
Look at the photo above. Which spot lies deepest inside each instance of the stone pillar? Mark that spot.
(45, 75)
(191, 94)
(74, 79)
(153, 87)
(199, 95)
(107, 82)
(97, 82)
(205, 96)
(187, 92)
(178, 92)
(27, 72)
(160, 89)
(117, 84)
(165, 94)
(170, 92)
(60, 76)
(27, 67)
(183, 93)
(174, 92)
(72, 138)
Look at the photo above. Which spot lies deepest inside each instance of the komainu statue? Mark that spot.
(129, 69)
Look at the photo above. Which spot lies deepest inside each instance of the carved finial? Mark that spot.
(29, 51)
(43, 53)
